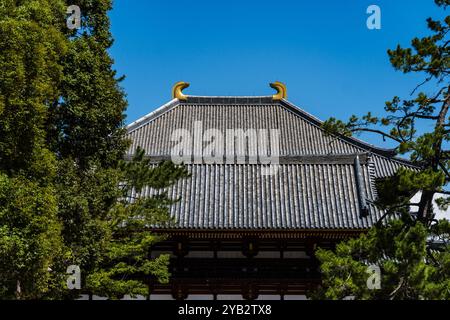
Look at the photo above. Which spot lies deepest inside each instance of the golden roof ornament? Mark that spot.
(177, 90)
(281, 90)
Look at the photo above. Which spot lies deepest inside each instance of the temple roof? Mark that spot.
(304, 195)
(316, 186)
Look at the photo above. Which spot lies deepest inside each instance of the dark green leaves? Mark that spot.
(413, 251)
(408, 270)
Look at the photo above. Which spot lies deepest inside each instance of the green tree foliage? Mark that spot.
(410, 268)
(31, 49)
(413, 251)
(30, 241)
(63, 181)
(87, 134)
(87, 121)
(126, 266)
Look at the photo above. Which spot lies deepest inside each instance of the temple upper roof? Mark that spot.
(317, 184)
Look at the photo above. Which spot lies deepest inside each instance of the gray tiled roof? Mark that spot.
(303, 196)
(312, 189)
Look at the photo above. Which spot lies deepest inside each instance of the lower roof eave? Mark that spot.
(260, 233)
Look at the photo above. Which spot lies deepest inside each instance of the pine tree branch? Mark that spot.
(447, 174)
(384, 134)
(421, 84)
(425, 117)
(391, 210)
(400, 285)
(426, 199)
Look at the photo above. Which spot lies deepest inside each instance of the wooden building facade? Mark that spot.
(240, 233)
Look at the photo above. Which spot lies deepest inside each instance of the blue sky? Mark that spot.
(331, 63)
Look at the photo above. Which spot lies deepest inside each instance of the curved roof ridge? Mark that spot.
(319, 122)
(383, 152)
(231, 97)
(152, 115)
(367, 147)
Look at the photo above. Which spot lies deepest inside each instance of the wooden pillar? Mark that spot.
(282, 247)
(215, 246)
(311, 247)
(179, 291)
(250, 247)
(250, 291)
(181, 247)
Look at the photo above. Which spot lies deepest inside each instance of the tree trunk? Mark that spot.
(426, 200)
(18, 290)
